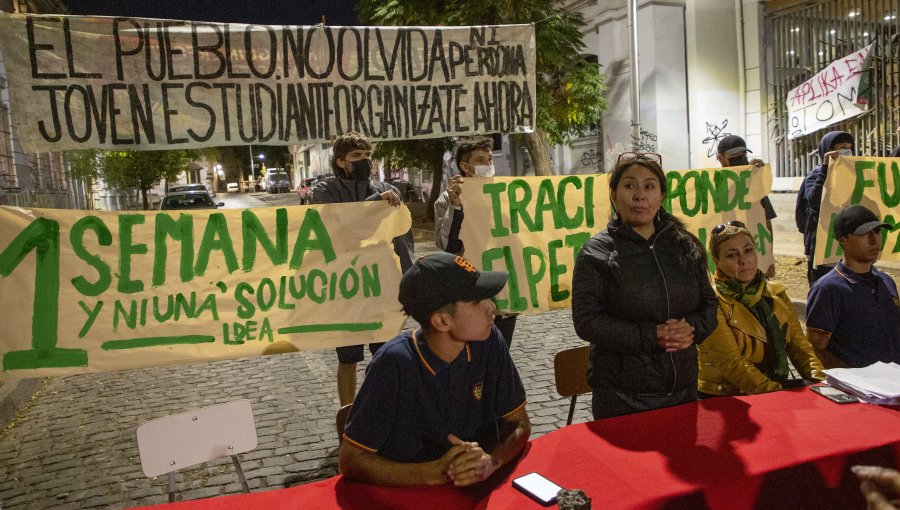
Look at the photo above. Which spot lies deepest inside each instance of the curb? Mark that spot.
(14, 396)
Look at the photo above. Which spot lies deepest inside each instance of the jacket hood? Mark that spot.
(829, 139)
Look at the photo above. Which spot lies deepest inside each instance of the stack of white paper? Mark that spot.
(877, 384)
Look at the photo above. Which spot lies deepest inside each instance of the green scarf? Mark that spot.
(774, 364)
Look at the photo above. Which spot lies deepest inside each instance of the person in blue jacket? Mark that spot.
(809, 198)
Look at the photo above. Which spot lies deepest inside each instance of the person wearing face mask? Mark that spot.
(732, 151)
(758, 330)
(351, 163)
(809, 197)
(474, 158)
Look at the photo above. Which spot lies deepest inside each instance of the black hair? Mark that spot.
(692, 250)
(471, 144)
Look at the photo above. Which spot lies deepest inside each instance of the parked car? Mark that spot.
(304, 190)
(194, 199)
(191, 187)
(232, 187)
(277, 182)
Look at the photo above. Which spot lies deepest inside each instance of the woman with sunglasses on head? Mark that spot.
(641, 296)
(758, 329)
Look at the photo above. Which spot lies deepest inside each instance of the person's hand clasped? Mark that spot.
(454, 190)
(674, 335)
(391, 198)
(880, 486)
(470, 465)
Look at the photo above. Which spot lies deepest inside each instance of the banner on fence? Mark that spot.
(534, 227)
(871, 182)
(92, 291)
(132, 83)
(838, 92)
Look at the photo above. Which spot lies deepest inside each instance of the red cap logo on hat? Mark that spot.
(465, 264)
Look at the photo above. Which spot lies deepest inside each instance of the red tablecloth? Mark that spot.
(789, 449)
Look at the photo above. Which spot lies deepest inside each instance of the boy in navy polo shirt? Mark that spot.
(444, 403)
(853, 313)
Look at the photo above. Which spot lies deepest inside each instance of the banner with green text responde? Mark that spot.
(89, 291)
(534, 227)
(871, 182)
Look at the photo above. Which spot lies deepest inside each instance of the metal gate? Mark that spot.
(801, 39)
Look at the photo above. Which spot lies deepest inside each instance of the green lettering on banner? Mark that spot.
(371, 283)
(889, 219)
(216, 237)
(135, 343)
(830, 240)
(246, 309)
(494, 190)
(518, 206)
(861, 182)
(104, 238)
(312, 225)
(546, 202)
(518, 303)
(533, 274)
(589, 201)
(564, 220)
(181, 230)
(42, 236)
(126, 250)
(763, 236)
(890, 195)
(254, 232)
(92, 314)
(556, 270)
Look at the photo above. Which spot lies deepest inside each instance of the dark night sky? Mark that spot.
(265, 12)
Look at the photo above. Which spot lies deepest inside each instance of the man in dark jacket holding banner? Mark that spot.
(809, 198)
(352, 167)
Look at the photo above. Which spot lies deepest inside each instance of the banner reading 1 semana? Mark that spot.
(871, 182)
(93, 291)
(132, 83)
(534, 227)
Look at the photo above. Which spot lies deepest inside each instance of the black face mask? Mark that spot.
(739, 161)
(361, 170)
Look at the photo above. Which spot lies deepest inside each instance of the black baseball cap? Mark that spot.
(856, 219)
(731, 145)
(439, 279)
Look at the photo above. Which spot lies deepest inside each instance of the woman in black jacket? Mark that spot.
(642, 297)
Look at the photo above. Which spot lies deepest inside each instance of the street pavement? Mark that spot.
(73, 446)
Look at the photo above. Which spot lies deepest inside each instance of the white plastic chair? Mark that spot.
(183, 440)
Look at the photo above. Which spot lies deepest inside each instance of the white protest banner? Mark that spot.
(835, 93)
(534, 227)
(873, 183)
(85, 291)
(131, 83)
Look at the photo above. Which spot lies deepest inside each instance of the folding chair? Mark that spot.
(187, 439)
(570, 368)
(340, 421)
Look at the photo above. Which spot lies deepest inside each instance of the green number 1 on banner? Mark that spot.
(42, 236)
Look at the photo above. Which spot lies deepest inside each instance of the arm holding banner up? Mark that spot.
(446, 215)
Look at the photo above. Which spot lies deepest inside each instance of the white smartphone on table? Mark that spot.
(538, 488)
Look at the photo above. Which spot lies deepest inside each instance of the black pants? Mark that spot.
(813, 273)
(506, 325)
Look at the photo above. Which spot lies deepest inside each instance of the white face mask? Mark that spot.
(484, 170)
(846, 152)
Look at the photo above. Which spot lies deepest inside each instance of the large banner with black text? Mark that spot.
(131, 83)
(86, 291)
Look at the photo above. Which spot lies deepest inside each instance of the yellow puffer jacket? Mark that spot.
(729, 356)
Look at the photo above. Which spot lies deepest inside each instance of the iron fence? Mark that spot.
(804, 38)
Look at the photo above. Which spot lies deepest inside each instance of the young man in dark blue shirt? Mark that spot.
(853, 313)
(442, 404)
